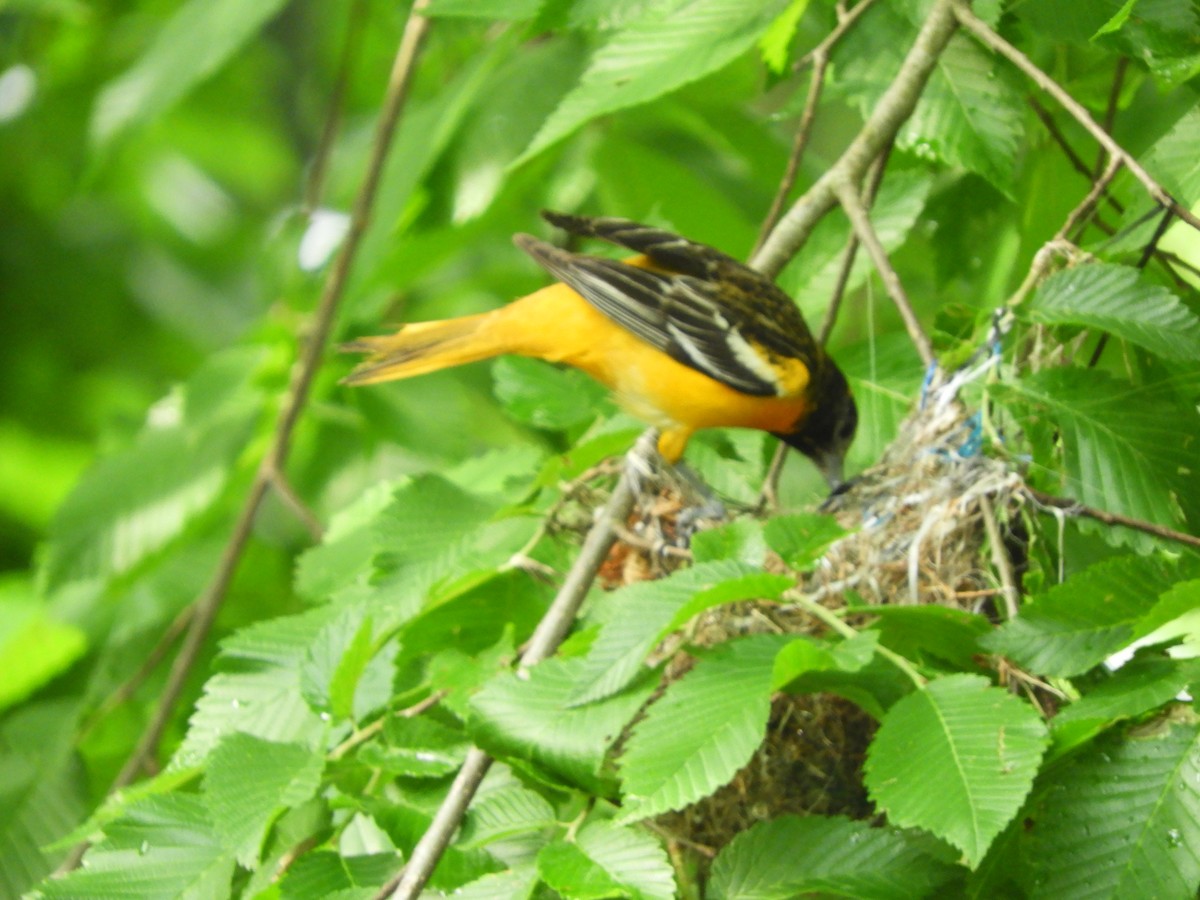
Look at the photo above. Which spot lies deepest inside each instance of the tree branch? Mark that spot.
(852, 203)
(881, 127)
(1075, 508)
(989, 38)
(545, 640)
(209, 602)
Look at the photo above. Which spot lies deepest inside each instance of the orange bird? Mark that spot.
(685, 336)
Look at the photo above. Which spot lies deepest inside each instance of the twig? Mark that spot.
(365, 734)
(1042, 259)
(852, 203)
(546, 638)
(152, 661)
(818, 57)
(1110, 110)
(209, 602)
(1000, 558)
(1077, 162)
(1147, 254)
(875, 179)
(1075, 508)
(893, 108)
(989, 38)
(799, 144)
(297, 507)
(315, 183)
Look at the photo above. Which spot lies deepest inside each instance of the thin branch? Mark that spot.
(874, 180)
(847, 193)
(1147, 254)
(545, 640)
(1000, 558)
(209, 602)
(298, 508)
(989, 38)
(893, 108)
(799, 144)
(1075, 508)
(127, 689)
(1110, 110)
(1044, 256)
(315, 183)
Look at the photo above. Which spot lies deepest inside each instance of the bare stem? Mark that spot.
(209, 602)
(545, 640)
(852, 203)
(1075, 508)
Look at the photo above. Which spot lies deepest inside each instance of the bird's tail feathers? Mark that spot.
(420, 348)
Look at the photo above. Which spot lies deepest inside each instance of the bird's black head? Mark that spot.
(826, 433)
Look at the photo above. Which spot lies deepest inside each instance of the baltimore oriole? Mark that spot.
(685, 336)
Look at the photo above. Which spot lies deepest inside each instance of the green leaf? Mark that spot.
(135, 502)
(1115, 299)
(968, 116)
(1122, 820)
(500, 10)
(1126, 449)
(161, 846)
(802, 539)
(256, 689)
(34, 646)
(978, 743)
(532, 719)
(1077, 624)
(570, 873)
(775, 40)
(642, 614)
(327, 873)
(934, 632)
(346, 550)
(197, 40)
(670, 45)
(704, 728)
(250, 782)
(632, 857)
(416, 748)
(538, 394)
(515, 884)
(849, 668)
(504, 812)
(1143, 684)
(796, 856)
(740, 540)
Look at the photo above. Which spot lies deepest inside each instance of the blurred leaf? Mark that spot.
(1122, 820)
(776, 40)
(740, 540)
(569, 872)
(327, 873)
(193, 44)
(939, 632)
(668, 46)
(42, 789)
(985, 743)
(503, 10)
(543, 396)
(250, 782)
(802, 539)
(34, 646)
(795, 856)
(1114, 299)
(136, 501)
(704, 728)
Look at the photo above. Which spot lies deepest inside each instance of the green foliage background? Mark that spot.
(162, 171)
